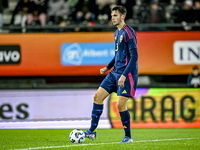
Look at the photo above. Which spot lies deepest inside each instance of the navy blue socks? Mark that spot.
(125, 118)
(96, 113)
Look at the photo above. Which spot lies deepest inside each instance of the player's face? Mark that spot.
(116, 17)
(195, 72)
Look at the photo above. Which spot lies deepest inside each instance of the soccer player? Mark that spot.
(123, 77)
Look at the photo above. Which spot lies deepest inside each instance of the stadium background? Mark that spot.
(47, 80)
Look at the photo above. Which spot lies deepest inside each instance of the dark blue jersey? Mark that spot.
(126, 55)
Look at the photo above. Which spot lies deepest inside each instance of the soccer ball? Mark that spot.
(77, 136)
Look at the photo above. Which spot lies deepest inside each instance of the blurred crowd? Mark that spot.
(64, 12)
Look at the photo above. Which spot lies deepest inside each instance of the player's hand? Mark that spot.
(103, 70)
(121, 81)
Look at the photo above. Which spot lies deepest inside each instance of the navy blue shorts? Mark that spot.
(110, 84)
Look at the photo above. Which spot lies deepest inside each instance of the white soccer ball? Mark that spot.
(77, 136)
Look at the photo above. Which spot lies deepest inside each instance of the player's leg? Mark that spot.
(125, 117)
(99, 97)
(97, 110)
(123, 94)
(107, 86)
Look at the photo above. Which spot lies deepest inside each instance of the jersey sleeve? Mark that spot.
(111, 64)
(131, 42)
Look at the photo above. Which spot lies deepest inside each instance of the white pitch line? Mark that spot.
(91, 144)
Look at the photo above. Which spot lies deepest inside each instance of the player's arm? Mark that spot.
(132, 47)
(108, 67)
(111, 64)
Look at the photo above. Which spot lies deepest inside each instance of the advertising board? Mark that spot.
(160, 108)
(151, 108)
(84, 54)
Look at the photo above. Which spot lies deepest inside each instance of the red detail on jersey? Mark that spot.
(130, 35)
(125, 38)
(135, 37)
(128, 31)
(132, 84)
(126, 61)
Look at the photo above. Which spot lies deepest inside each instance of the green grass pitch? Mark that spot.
(107, 139)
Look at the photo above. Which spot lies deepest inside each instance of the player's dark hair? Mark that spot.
(120, 8)
(195, 68)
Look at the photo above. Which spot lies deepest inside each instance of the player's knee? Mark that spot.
(97, 99)
(121, 107)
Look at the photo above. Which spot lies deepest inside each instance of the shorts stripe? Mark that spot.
(132, 85)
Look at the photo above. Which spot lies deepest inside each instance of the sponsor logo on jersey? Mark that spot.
(10, 54)
(186, 52)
